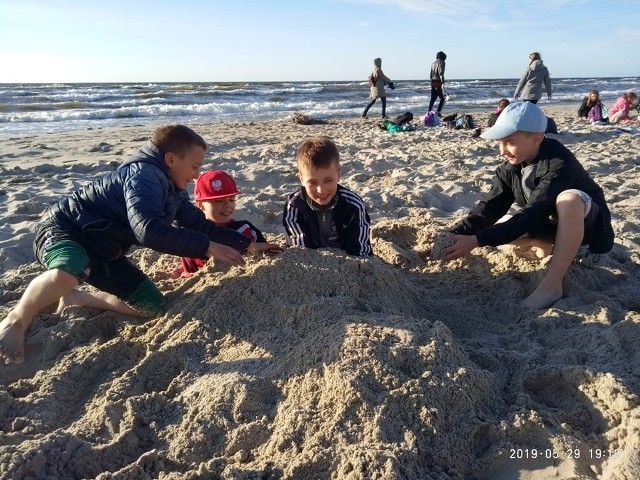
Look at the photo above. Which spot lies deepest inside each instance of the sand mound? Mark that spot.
(310, 364)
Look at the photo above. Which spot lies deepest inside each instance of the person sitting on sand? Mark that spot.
(215, 194)
(85, 236)
(323, 213)
(502, 104)
(591, 107)
(560, 203)
(620, 109)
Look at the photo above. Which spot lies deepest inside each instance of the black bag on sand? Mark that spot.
(449, 118)
(406, 117)
(467, 121)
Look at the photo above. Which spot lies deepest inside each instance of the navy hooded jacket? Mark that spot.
(138, 204)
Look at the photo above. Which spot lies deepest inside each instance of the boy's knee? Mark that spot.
(569, 196)
(570, 201)
(147, 299)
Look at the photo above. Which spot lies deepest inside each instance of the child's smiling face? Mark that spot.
(321, 184)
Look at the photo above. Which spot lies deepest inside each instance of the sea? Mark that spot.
(27, 109)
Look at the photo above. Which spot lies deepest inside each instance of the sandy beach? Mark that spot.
(312, 364)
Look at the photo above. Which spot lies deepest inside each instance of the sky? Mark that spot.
(45, 41)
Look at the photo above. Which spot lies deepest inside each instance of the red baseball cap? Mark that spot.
(215, 184)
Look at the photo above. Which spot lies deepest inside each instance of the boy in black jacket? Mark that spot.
(323, 213)
(560, 203)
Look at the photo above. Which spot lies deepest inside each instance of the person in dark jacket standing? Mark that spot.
(85, 237)
(322, 213)
(559, 202)
(377, 88)
(529, 87)
(437, 81)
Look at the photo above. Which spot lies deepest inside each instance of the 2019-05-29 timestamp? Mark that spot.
(552, 453)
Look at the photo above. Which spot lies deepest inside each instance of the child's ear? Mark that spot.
(169, 158)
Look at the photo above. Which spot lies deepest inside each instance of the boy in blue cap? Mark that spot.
(560, 204)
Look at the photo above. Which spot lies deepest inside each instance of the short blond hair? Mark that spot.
(317, 152)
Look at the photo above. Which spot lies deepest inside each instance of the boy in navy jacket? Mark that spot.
(85, 237)
(323, 213)
(560, 204)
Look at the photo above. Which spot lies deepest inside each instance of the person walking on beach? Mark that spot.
(437, 81)
(529, 87)
(379, 80)
(85, 237)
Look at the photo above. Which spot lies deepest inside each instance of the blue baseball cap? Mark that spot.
(517, 117)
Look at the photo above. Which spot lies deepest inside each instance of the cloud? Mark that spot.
(447, 8)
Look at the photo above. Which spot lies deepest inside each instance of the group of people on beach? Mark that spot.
(85, 237)
(593, 110)
(529, 87)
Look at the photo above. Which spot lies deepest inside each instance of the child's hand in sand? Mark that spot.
(262, 247)
(225, 254)
(462, 244)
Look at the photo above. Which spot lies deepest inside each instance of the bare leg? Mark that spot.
(568, 237)
(98, 300)
(42, 291)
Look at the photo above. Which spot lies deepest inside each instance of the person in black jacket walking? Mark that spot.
(437, 81)
(86, 236)
(559, 202)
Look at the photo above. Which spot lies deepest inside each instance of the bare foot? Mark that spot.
(67, 300)
(11, 339)
(541, 298)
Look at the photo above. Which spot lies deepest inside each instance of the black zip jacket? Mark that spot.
(302, 225)
(557, 170)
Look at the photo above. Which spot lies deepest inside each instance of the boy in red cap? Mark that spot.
(215, 194)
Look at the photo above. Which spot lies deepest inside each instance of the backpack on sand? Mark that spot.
(464, 121)
(430, 119)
